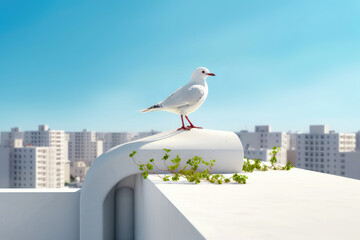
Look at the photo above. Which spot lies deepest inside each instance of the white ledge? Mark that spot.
(295, 204)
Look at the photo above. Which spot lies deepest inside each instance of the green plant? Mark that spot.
(192, 174)
(190, 171)
(256, 164)
(273, 154)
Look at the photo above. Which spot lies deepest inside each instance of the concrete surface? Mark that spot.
(295, 204)
(39, 214)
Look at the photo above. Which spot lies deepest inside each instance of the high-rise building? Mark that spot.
(140, 135)
(326, 151)
(8, 137)
(4, 167)
(112, 139)
(78, 170)
(84, 146)
(259, 144)
(291, 152)
(37, 159)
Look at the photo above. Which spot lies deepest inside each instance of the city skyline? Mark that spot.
(248, 128)
(80, 64)
(24, 154)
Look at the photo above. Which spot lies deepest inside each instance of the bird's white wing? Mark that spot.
(187, 95)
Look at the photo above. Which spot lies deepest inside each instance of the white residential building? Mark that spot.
(325, 151)
(292, 140)
(291, 152)
(358, 141)
(78, 170)
(83, 146)
(259, 144)
(4, 167)
(35, 167)
(8, 137)
(140, 135)
(112, 139)
(37, 159)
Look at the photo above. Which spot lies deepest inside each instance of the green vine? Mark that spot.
(189, 171)
(192, 174)
(257, 164)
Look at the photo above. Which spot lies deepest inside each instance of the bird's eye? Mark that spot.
(203, 71)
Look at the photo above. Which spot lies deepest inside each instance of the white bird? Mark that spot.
(186, 99)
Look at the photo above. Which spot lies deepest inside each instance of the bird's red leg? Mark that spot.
(191, 125)
(183, 125)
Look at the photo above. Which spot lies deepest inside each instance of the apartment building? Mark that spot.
(84, 146)
(259, 144)
(140, 135)
(35, 159)
(8, 137)
(78, 170)
(326, 151)
(4, 167)
(112, 139)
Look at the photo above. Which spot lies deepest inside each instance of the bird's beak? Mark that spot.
(210, 74)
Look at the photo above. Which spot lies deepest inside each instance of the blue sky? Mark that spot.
(91, 64)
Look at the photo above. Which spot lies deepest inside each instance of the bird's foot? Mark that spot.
(183, 128)
(192, 126)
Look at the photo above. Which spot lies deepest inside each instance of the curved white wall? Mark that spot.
(113, 166)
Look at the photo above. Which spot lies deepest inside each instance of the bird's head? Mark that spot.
(201, 73)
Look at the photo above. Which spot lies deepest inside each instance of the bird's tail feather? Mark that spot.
(156, 107)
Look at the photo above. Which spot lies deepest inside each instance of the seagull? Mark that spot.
(186, 99)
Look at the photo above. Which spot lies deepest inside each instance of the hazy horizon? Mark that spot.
(250, 129)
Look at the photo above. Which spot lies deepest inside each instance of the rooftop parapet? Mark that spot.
(112, 167)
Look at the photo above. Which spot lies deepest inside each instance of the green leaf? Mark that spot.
(145, 174)
(132, 154)
(149, 166)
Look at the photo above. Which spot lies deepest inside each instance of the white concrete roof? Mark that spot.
(295, 204)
